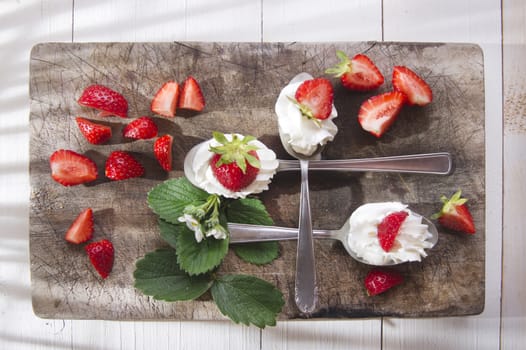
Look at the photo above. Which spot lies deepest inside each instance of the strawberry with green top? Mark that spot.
(358, 73)
(314, 98)
(455, 215)
(235, 162)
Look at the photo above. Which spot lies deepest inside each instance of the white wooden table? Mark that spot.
(499, 29)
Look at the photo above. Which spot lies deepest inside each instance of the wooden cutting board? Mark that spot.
(241, 82)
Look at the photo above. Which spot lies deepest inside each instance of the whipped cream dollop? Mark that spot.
(302, 134)
(410, 243)
(201, 175)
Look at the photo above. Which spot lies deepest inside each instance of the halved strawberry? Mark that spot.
(93, 132)
(379, 280)
(389, 227)
(358, 73)
(70, 168)
(162, 149)
(191, 96)
(140, 128)
(314, 98)
(235, 163)
(379, 112)
(455, 215)
(414, 87)
(81, 230)
(122, 165)
(108, 101)
(165, 100)
(101, 255)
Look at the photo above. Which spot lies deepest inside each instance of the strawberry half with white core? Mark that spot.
(389, 227)
(235, 163)
(104, 99)
(94, 133)
(191, 96)
(379, 280)
(358, 73)
(412, 85)
(81, 230)
(314, 98)
(455, 215)
(379, 112)
(70, 168)
(165, 100)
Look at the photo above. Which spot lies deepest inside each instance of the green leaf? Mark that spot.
(248, 211)
(259, 253)
(198, 257)
(247, 299)
(159, 275)
(169, 232)
(169, 198)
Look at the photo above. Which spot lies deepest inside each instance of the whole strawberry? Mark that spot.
(455, 215)
(235, 163)
(106, 100)
(101, 256)
(358, 73)
(140, 129)
(122, 165)
(379, 280)
(94, 133)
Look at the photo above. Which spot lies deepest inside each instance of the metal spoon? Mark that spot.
(243, 233)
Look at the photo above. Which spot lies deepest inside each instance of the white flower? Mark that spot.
(218, 232)
(193, 224)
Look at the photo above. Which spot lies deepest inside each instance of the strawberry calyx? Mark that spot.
(236, 151)
(450, 204)
(344, 66)
(306, 111)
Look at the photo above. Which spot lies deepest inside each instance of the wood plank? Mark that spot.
(460, 21)
(513, 279)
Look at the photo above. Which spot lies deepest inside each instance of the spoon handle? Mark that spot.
(305, 287)
(428, 163)
(246, 233)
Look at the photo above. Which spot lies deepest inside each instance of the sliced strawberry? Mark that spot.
(165, 100)
(379, 112)
(358, 73)
(235, 163)
(315, 98)
(81, 230)
(455, 215)
(93, 132)
(162, 149)
(108, 101)
(140, 128)
(70, 168)
(122, 165)
(380, 280)
(414, 87)
(101, 255)
(191, 96)
(389, 227)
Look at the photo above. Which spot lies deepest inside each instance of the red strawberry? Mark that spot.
(70, 168)
(81, 230)
(358, 73)
(314, 98)
(379, 112)
(140, 128)
(106, 100)
(379, 280)
(165, 100)
(191, 96)
(162, 149)
(122, 165)
(389, 227)
(95, 133)
(235, 163)
(455, 215)
(101, 255)
(414, 87)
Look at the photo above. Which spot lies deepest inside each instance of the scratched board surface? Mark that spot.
(241, 82)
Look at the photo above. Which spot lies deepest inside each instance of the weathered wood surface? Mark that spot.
(241, 83)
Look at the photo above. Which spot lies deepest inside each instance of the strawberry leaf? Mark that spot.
(159, 275)
(248, 211)
(247, 300)
(260, 253)
(169, 198)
